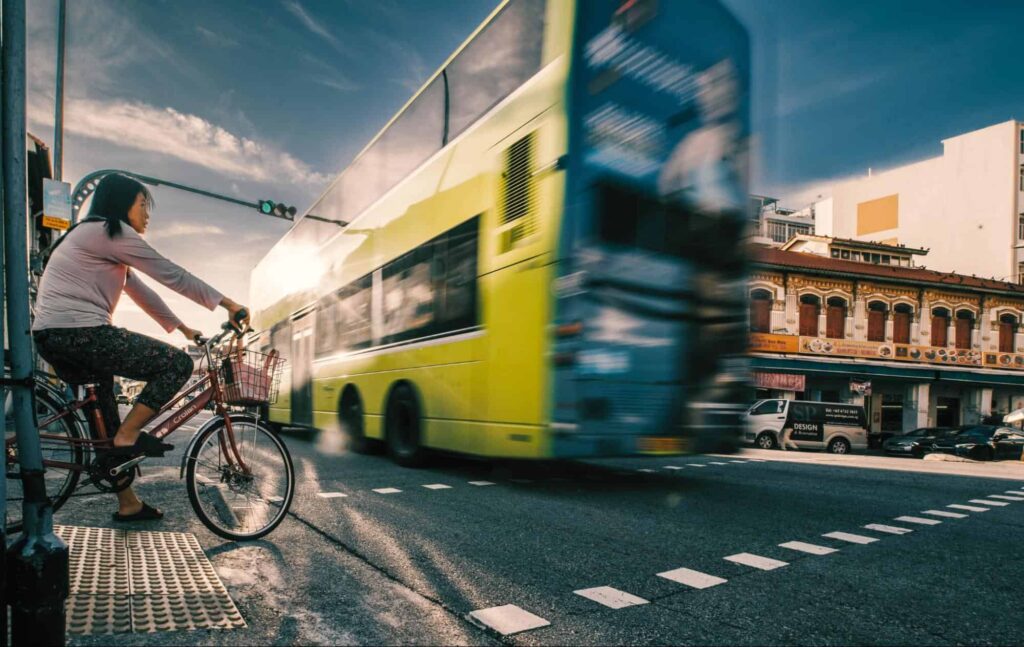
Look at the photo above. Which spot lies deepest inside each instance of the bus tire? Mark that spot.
(765, 440)
(352, 423)
(403, 427)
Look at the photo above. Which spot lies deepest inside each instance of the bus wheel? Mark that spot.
(839, 446)
(350, 419)
(403, 426)
(766, 440)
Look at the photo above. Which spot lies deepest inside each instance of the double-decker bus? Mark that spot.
(540, 255)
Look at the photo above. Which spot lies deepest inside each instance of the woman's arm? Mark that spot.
(151, 303)
(130, 249)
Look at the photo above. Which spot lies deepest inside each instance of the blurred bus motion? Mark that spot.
(542, 255)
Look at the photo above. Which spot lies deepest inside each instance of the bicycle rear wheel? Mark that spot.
(240, 502)
(60, 482)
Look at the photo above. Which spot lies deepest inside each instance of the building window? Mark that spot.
(845, 253)
(810, 306)
(1007, 331)
(940, 326)
(876, 258)
(760, 311)
(901, 316)
(1020, 273)
(877, 314)
(1022, 177)
(1020, 227)
(855, 256)
(886, 259)
(835, 252)
(964, 326)
(1022, 142)
(835, 318)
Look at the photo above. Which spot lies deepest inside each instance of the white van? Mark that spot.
(838, 428)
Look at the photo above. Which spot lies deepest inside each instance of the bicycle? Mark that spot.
(238, 473)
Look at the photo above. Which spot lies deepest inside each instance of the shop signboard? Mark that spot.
(768, 343)
(935, 355)
(780, 381)
(772, 343)
(860, 387)
(1004, 360)
(845, 348)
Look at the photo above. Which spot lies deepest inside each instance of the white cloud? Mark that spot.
(187, 137)
(311, 24)
(185, 229)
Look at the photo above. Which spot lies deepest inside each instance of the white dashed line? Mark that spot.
(944, 513)
(330, 495)
(481, 483)
(853, 539)
(673, 467)
(740, 462)
(646, 471)
(921, 521)
(696, 464)
(693, 579)
(508, 619)
(804, 547)
(610, 597)
(990, 503)
(756, 460)
(1005, 497)
(969, 508)
(756, 561)
(438, 486)
(892, 530)
(1017, 492)
(716, 463)
(387, 490)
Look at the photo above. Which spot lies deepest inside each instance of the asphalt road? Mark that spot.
(408, 567)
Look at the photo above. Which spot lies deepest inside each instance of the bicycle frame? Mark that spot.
(208, 388)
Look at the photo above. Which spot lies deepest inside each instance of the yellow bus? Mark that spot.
(540, 255)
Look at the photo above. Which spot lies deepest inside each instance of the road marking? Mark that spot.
(990, 503)
(480, 483)
(969, 508)
(696, 464)
(943, 513)
(740, 462)
(1005, 497)
(330, 495)
(813, 549)
(853, 539)
(756, 561)
(507, 620)
(757, 460)
(693, 579)
(1017, 492)
(438, 486)
(672, 467)
(716, 463)
(646, 471)
(387, 490)
(610, 597)
(921, 521)
(892, 530)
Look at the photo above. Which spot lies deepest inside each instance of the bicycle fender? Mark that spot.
(240, 417)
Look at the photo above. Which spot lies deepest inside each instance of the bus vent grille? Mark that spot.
(519, 193)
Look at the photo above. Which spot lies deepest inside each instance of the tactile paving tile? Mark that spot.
(142, 581)
(98, 562)
(98, 614)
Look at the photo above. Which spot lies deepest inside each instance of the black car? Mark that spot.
(915, 443)
(983, 442)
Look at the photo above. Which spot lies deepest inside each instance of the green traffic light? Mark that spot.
(266, 207)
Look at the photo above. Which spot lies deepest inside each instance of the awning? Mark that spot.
(867, 369)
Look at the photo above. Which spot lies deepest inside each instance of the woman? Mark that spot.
(88, 269)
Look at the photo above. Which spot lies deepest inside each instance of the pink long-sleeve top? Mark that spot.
(88, 271)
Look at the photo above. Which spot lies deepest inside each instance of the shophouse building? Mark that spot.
(966, 205)
(852, 321)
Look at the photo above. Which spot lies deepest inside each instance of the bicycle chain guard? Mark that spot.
(99, 474)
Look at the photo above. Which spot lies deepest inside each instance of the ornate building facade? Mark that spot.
(916, 347)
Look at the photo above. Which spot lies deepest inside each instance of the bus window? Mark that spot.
(343, 319)
(499, 60)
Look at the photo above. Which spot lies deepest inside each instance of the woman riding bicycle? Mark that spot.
(88, 269)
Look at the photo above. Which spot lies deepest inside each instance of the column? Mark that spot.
(917, 406)
(972, 403)
(860, 320)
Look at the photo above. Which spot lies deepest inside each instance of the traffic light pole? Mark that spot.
(88, 184)
(37, 561)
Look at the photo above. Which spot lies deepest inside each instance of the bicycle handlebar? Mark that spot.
(232, 326)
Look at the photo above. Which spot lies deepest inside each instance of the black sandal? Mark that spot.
(147, 513)
(146, 444)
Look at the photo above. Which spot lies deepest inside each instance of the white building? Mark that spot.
(966, 205)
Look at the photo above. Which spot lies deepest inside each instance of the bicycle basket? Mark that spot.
(250, 377)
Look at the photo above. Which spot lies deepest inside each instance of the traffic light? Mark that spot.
(276, 209)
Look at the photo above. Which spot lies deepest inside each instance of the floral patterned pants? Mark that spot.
(96, 354)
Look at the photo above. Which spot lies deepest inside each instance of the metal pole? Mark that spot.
(3, 418)
(58, 121)
(37, 561)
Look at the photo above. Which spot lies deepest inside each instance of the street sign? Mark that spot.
(56, 204)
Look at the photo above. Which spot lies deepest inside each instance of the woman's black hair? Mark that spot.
(114, 197)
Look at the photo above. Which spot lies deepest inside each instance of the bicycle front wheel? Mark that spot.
(240, 481)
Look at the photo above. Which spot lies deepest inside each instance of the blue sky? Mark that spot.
(271, 98)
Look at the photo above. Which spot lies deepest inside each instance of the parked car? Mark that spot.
(983, 442)
(917, 442)
(123, 399)
(835, 427)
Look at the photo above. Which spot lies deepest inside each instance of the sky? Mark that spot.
(272, 98)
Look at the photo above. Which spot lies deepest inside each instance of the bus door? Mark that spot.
(302, 370)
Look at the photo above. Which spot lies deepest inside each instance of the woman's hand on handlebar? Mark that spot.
(190, 333)
(238, 314)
